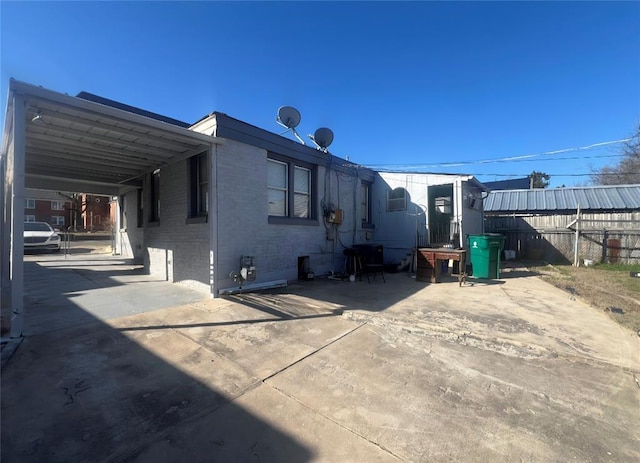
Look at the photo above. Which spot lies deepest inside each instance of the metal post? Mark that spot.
(576, 262)
(17, 165)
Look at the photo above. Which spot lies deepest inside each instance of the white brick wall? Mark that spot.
(130, 238)
(179, 252)
(244, 229)
(175, 250)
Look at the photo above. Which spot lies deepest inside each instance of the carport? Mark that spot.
(53, 141)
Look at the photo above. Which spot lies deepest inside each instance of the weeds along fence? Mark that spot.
(571, 237)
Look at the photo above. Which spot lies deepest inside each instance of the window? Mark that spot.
(365, 204)
(123, 212)
(277, 184)
(301, 192)
(29, 218)
(57, 220)
(397, 200)
(290, 190)
(57, 205)
(443, 204)
(140, 215)
(199, 185)
(154, 194)
(29, 203)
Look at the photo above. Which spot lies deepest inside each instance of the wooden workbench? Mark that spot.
(430, 260)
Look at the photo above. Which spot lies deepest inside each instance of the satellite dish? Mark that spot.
(289, 117)
(322, 138)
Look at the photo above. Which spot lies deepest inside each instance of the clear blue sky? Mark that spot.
(415, 84)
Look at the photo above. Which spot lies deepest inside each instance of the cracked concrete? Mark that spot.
(511, 370)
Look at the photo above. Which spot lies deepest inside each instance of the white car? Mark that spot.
(40, 236)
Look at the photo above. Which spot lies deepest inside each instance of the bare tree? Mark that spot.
(78, 207)
(627, 171)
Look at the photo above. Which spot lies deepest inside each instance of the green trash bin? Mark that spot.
(484, 253)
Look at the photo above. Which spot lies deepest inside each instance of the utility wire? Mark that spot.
(520, 158)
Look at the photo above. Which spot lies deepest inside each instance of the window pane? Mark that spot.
(204, 198)
(301, 180)
(277, 202)
(276, 174)
(300, 205)
(364, 202)
(203, 167)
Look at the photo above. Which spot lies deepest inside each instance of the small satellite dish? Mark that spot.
(289, 117)
(322, 138)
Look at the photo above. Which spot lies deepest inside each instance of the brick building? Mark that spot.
(47, 206)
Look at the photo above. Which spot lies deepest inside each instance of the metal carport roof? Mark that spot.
(53, 141)
(74, 144)
(596, 198)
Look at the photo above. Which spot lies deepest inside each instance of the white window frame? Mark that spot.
(57, 220)
(293, 196)
(57, 205)
(29, 218)
(29, 203)
(279, 189)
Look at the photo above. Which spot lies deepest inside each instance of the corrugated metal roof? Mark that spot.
(614, 197)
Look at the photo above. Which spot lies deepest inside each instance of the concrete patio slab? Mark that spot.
(507, 370)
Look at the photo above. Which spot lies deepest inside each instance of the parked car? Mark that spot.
(40, 236)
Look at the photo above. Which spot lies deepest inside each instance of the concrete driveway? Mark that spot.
(510, 370)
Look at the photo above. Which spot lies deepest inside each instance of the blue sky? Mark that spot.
(416, 84)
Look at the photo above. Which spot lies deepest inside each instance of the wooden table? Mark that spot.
(430, 260)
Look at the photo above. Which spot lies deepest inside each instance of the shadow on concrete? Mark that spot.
(79, 390)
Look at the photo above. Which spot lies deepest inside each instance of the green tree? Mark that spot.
(627, 171)
(539, 179)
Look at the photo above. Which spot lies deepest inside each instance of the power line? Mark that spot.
(520, 158)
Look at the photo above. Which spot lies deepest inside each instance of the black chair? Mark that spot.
(371, 258)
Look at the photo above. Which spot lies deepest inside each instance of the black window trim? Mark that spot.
(194, 180)
(369, 223)
(312, 220)
(154, 199)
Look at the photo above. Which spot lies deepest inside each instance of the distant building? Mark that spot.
(96, 213)
(47, 206)
(511, 184)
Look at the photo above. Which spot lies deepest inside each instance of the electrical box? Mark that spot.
(335, 217)
(247, 269)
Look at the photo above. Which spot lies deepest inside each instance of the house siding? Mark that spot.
(244, 227)
(174, 250)
(398, 231)
(130, 237)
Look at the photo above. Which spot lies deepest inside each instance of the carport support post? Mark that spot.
(5, 249)
(17, 166)
(213, 221)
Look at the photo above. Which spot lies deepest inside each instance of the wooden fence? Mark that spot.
(571, 238)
